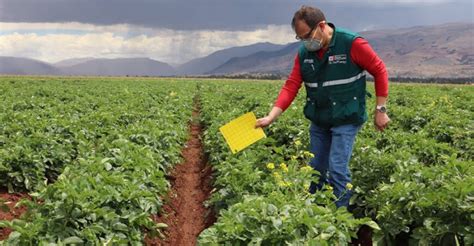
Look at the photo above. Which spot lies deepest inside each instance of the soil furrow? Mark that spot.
(184, 211)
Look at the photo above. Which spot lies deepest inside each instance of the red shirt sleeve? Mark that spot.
(364, 56)
(291, 87)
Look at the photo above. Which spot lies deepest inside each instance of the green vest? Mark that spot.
(335, 86)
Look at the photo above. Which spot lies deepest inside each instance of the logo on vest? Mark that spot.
(337, 59)
(311, 61)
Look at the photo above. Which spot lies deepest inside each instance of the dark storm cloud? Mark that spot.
(232, 15)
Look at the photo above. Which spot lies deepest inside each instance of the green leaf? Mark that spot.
(73, 240)
(373, 225)
(161, 225)
(14, 235)
(277, 222)
(325, 236)
(5, 224)
(120, 226)
(108, 166)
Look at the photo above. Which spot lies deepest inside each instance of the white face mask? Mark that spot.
(313, 44)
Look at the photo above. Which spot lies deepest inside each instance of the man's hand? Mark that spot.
(264, 122)
(267, 120)
(381, 120)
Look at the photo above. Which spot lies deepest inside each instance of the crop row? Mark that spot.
(262, 193)
(93, 152)
(416, 180)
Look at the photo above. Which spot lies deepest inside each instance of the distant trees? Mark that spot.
(283, 76)
(434, 80)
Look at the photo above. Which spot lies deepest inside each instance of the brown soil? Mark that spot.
(10, 200)
(185, 213)
(364, 237)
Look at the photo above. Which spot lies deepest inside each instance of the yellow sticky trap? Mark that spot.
(241, 132)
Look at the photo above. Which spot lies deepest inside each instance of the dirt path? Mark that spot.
(8, 210)
(184, 212)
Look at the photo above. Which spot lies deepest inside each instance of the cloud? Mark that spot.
(218, 14)
(398, 1)
(76, 27)
(22, 39)
(177, 30)
(414, 1)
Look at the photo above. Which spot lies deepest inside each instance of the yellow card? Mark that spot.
(241, 132)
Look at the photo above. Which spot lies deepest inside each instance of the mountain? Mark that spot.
(212, 61)
(443, 51)
(261, 62)
(22, 66)
(424, 51)
(120, 67)
(86, 66)
(72, 62)
(435, 51)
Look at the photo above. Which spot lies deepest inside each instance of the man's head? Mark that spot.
(309, 15)
(309, 23)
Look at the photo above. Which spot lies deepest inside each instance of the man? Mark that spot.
(331, 62)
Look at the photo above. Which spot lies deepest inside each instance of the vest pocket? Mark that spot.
(310, 109)
(345, 109)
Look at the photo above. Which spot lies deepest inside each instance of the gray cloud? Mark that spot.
(48, 41)
(234, 15)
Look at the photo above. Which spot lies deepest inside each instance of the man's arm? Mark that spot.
(364, 56)
(287, 94)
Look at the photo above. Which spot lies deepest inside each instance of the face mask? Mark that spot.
(312, 44)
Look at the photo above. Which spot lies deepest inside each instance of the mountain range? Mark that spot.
(445, 51)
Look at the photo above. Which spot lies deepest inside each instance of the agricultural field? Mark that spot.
(95, 154)
(92, 153)
(415, 180)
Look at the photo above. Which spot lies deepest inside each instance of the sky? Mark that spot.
(176, 31)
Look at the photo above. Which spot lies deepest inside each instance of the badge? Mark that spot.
(337, 59)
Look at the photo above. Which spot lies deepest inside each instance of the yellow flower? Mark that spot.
(330, 188)
(284, 167)
(277, 175)
(307, 153)
(297, 142)
(306, 169)
(349, 186)
(271, 166)
(284, 184)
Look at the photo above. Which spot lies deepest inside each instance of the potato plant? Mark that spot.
(93, 153)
